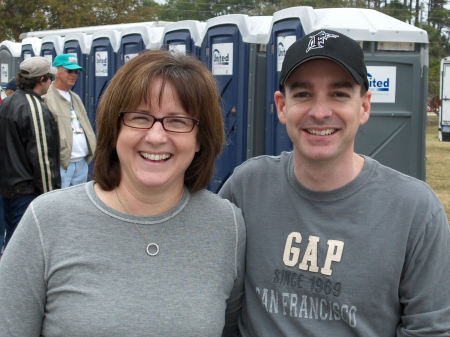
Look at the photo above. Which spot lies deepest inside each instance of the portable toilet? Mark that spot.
(396, 55)
(234, 49)
(9, 60)
(52, 45)
(31, 46)
(288, 25)
(102, 66)
(444, 95)
(79, 45)
(184, 37)
(133, 42)
(136, 39)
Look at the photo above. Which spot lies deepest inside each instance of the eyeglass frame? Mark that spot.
(196, 122)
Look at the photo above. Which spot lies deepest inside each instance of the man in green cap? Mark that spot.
(77, 138)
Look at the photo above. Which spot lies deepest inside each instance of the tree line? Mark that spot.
(20, 16)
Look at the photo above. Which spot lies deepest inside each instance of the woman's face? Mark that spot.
(156, 159)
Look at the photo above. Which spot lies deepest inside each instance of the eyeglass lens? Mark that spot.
(170, 123)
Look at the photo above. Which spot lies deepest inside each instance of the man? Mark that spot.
(29, 142)
(77, 139)
(9, 90)
(337, 244)
(10, 87)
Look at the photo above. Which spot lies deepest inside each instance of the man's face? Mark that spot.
(322, 109)
(66, 78)
(46, 85)
(42, 87)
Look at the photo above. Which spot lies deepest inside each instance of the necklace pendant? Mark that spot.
(152, 249)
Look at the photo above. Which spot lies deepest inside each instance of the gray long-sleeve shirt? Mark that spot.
(76, 267)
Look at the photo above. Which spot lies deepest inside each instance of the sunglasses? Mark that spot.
(73, 71)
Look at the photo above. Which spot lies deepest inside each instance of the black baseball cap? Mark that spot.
(328, 44)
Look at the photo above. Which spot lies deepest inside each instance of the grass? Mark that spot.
(437, 163)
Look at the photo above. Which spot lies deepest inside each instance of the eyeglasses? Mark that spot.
(73, 71)
(140, 120)
(50, 77)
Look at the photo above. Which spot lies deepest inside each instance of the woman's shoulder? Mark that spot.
(207, 202)
(211, 200)
(66, 197)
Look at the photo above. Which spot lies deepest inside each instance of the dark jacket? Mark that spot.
(29, 146)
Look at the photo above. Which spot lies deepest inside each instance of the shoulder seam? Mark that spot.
(236, 237)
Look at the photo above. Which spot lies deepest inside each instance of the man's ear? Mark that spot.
(280, 103)
(365, 108)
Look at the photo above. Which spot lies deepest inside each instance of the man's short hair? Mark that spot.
(30, 83)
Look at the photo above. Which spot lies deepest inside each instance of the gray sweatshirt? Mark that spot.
(76, 267)
(369, 259)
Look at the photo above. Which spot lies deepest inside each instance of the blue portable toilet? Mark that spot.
(133, 42)
(396, 55)
(234, 49)
(51, 46)
(78, 45)
(31, 46)
(9, 61)
(136, 39)
(288, 25)
(184, 37)
(102, 66)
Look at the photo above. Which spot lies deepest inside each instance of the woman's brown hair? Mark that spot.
(197, 91)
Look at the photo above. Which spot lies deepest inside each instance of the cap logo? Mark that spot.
(317, 41)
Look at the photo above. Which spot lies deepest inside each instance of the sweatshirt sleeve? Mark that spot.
(22, 281)
(425, 289)
(234, 303)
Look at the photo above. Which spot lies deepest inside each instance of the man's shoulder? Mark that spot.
(265, 162)
(401, 185)
(18, 101)
(51, 94)
(260, 169)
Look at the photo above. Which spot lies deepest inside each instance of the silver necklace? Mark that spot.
(152, 248)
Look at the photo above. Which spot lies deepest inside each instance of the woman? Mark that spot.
(143, 250)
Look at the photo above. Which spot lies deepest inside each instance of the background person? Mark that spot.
(337, 244)
(77, 139)
(29, 142)
(10, 87)
(9, 90)
(144, 250)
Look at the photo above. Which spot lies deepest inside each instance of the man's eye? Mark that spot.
(341, 94)
(301, 94)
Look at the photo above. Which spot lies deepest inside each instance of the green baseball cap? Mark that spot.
(68, 61)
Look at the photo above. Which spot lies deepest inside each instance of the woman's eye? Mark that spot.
(179, 121)
(140, 119)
